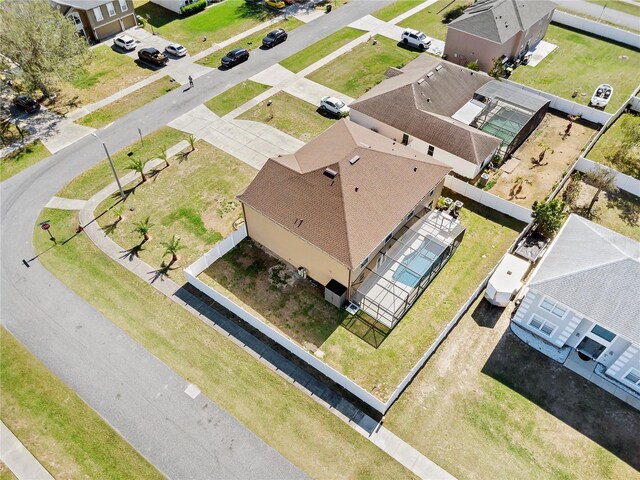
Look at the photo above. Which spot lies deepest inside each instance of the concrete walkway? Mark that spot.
(202, 308)
(18, 459)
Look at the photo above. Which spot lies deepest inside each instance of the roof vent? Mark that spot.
(430, 74)
(438, 68)
(420, 81)
(415, 169)
(428, 99)
(356, 189)
(509, 272)
(365, 145)
(330, 173)
(354, 159)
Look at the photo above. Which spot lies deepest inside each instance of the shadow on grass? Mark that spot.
(132, 253)
(156, 15)
(608, 421)
(366, 328)
(162, 272)
(627, 205)
(486, 315)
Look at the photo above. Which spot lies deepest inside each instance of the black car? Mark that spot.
(274, 38)
(26, 103)
(153, 56)
(234, 57)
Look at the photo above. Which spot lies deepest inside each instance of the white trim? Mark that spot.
(112, 21)
(555, 305)
(96, 16)
(123, 3)
(110, 10)
(543, 322)
(634, 372)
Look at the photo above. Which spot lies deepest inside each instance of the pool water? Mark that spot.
(414, 266)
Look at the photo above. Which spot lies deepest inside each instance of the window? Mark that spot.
(431, 193)
(98, 14)
(552, 306)
(111, 9)
(633, 376)
(389, 237)
(544, 326)
(365, 262)
(603, 333)
(123, 6)
(430, 150)
(410, 214)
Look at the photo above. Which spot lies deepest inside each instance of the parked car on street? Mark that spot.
(334, 106)
(176, 50)
(234, 57)
(26, 103)
(125, 42)
(415, 38)
(152, 56)
(274, 38)
(274, 3)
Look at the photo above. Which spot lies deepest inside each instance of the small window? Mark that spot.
(553, 307)
(98, 14)
(111, 9)
(389, 237)
(123, 6)
(431, 193)
(603, 333)
(410, 214)
(633, 376)
(430, 150)
(543, 326)
(365, 262)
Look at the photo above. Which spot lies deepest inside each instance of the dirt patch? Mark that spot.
(221, 215)
(537, 181)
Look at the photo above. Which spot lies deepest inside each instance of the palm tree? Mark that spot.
(142, 228)
(163, 155)
(192, 142)
(517, 187)
(118, 210)
(602, 179)
(540, 159)
(137, 165)
(171, 248)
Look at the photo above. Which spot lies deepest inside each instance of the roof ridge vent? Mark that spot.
(430, 74)
(329, 172)
(420, 81)
(438, 68)
(354, 159)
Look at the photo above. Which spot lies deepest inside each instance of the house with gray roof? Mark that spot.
(98, 20)
(497, 29)
(582, 299)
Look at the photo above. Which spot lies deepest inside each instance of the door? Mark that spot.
(590, 348)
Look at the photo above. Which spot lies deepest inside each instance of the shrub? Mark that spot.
(548, 216)
(473, 65)
(454, 13)
(195, 7)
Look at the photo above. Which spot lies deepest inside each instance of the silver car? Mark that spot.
(334, 106)
(176, 50)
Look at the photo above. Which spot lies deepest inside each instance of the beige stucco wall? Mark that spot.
(293, 249)
(109, 26)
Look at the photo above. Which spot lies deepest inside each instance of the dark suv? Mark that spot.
(26, 103)
(274, 38)
(152, 56)
(234, 57)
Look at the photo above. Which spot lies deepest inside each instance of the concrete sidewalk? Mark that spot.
(18, 459)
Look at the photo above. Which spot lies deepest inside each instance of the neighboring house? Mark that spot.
(497, 29)
(450, 113)
(583, 298)
(97, 20)
(353, 210)
(173, 5)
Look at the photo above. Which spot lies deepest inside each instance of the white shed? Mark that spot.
(506, 281)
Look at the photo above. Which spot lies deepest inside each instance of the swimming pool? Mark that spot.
(414, 266)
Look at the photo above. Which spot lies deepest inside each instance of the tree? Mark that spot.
(171, 248)
(137, 165)
(192, 142)
(142, 228)
(548, 216)
(542, 154)
(603, 179)
(42, 42)
(518, 184)
(497, 70)
(473, 65)
(572, 192)
(163, 155)
(118, 210)
(454, 13)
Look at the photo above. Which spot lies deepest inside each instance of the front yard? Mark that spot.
(581, 63)
(29, 155)
(429, 20)
(235, 96)
(362, 68)
(291, 115)
(376, 363)
(538, 180)
(488, 406)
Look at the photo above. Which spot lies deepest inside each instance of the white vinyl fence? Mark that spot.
(623, 182)
(597, 28)
(488, 199)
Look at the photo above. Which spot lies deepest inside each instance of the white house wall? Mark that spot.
(459, 165)
(173, 5)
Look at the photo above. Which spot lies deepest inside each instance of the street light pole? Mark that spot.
(113, 168)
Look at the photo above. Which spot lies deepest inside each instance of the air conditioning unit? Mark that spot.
(302, 272)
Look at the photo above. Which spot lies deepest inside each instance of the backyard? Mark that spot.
(290, 115)
(297, 426)
(235, 96)
(510, 412)
(216, 24)
(570, 68)
(376, 363)
(429, 20)
(362, 68)
(67, 437)
(622, 135)
(536, 180)
(29, 155)
(193, 199)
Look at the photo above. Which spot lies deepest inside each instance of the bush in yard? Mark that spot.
(572, 192)
(473, 65)
(195, 7)
(454, 13)
(548, 216)
(497, 70)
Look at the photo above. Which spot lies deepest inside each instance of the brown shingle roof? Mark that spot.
(346, 217)
(423, 110)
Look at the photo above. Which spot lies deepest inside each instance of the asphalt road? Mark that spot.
(131, 389)
(602, 12)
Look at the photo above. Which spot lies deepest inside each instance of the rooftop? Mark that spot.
(81, 4)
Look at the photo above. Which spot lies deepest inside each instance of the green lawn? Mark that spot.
(362, 68)
(626, 7)
(251, 42)
(291, 115)
(570, 68)
(396, 8)
(193, 199)
(429, 20)
(107, 114)
(67, 437)
(235, 96)
(100, 175)
(107, 73)
(21, 159)
(5, 473)
(217, 23)
(613, 139)
(299, 428)
(310, 55)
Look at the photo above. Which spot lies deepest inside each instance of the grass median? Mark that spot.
(67, 437)
(235, 96)
(302, 430)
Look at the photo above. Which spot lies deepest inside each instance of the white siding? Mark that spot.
(173, 5)
(629, 358)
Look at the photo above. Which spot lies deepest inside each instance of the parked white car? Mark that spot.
(125, 42)
(334, 106)
(176, 50)
(416, 39)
